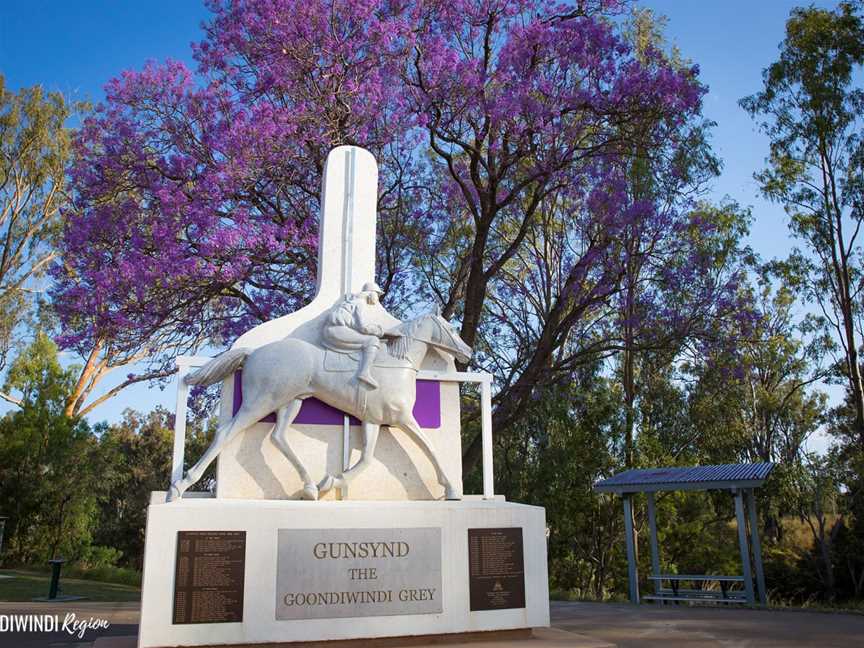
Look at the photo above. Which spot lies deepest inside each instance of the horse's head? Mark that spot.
(446, 338)
(430, 329)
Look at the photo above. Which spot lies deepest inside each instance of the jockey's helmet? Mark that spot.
(371, 286)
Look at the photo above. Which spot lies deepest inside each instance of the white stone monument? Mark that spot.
(366, 409)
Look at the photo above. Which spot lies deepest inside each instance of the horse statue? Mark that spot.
(278, 376)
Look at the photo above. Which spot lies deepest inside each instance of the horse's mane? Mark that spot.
(398, 346)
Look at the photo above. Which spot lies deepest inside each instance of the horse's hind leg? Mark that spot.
(243, 419)
(370, 440)
(409, 424)
(284, 417)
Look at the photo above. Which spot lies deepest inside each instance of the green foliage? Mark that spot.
(570, 437)
(95, 557)
(38, 376)
(848, 461)
(750, 402)
(811, 110)
(754, 403)
(35, 147)
(137, 453)
(49, 464)
(70, 490)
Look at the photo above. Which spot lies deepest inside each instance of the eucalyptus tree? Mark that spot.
(34, 149)
(758, 401)
(811, 109)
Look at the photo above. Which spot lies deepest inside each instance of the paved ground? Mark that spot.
(575, 625)
(646, 626)
(123, 618)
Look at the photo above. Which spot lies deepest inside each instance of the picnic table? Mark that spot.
(676, 593)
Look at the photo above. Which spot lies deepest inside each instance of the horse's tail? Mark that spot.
(218, 368)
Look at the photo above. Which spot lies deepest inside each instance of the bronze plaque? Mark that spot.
(496, 569)
(208, 577)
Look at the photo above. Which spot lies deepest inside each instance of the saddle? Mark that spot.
(348, 361)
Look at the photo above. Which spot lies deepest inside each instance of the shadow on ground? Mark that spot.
(646, 626)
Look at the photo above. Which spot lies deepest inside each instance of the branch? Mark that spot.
(11, 399)
(129, 381)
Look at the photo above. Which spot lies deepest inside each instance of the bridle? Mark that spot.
(454, 350)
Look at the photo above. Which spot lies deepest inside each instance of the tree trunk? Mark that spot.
(475, 288)
(628, 381)
(854, 368)
(827, 568)
(79, 393)
(843, 283)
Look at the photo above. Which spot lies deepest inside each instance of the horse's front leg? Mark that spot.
(370, 440)
(284, 418)
(408, 423)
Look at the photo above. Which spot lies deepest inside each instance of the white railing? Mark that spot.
(185, 363)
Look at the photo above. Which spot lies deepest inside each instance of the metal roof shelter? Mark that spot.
(740, 479)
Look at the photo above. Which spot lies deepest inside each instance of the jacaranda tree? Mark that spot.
(503, 129)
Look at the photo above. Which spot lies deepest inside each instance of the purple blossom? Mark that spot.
(196, 193)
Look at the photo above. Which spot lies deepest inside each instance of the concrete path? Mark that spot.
(647, 626)
(123, 618)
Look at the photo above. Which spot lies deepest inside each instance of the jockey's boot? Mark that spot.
(364, 375)
(367, 379)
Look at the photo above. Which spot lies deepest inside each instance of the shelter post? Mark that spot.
(757, 547)
(743, 545)
(632, 576)
(655, 551)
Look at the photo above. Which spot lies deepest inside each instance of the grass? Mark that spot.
(574, 596)
(851, 606)
(25, 586)
(104, 574)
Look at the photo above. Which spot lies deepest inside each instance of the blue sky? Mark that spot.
(76, 47)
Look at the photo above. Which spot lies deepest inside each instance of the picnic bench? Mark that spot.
(676, 593)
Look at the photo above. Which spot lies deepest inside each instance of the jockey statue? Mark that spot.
(351, 326)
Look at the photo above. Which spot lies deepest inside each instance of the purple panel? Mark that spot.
(427, 407)
(316, 412)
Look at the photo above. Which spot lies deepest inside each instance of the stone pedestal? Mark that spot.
(316, 571)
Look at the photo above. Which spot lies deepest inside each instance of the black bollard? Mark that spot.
(56, 563)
